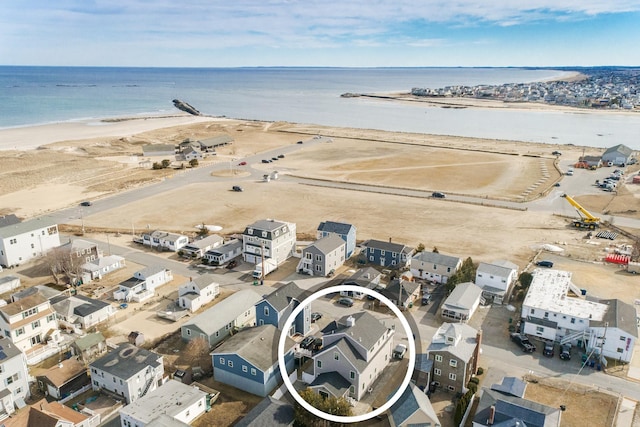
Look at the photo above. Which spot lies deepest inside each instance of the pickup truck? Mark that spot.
(399, 351)
(523, 342)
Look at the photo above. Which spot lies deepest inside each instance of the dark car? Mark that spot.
(307, 342)
(281, 156)
(426, 299)
(547, 264)
(232, 264)
(265, 161)
(299, 142)
(565, 352)
(523, 342)
(346, 302)
(557, 153)
(315, 317)
(548, 350)
(274, 158)
(438, 195)
(557, 184)
(236, 188)
(86, 203)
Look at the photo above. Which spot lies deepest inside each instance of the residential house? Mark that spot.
(225, 253)
(355, 351)
(55, 414)
(14, 378)
(367, 277)
(189, 154)
(454, 349)
(462, 302)
(413, 409)
(618, 155)
(550, 314)
(504, 404)
(159, 150)
(209, 145)
(591, 161)
(78, 311)
(247, 360)
(128, 371)
(323, 257)
(197, 292)
(402, 293)
(269, 412)
(163, 240)
(347, 232)
(276, 307)
(31, 324)
(46, 291)
(188, 143)
(198, 247)
(62, 380)
(616, 334)
(142, 286)
(135, 338)
(89, 346)
(180, 402)
(434, 266)
(422, 371)
(269, 238)
(24, 241)
(9, 283)
(233, 313)
(495, 279)
(387, 254)
(100, 267)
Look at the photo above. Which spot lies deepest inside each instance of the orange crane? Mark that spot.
(587, 220)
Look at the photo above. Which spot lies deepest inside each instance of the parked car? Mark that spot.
(236, 188)
(565, 352)
(557, 184)
(232, 264)
(557, 153)
(242, 164)
(399, 351)
(523, 342)
(547, 264)
(346, 302)
(307, 342)
(281, 156)
(86, 203)
(315, 317)
(299, 142)
(274, 158)
(548, 349)
(331, 273)
(265, 161)
(426, 299)
(438, 195)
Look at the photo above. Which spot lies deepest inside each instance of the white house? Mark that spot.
(462, 302)
(434, 266)
(181, 402)
(269, 238)
(356, 349)
(367, 277)
(14, 378)
(78, 311)
(143, 284)
(197, 292)
(198, 247)
(23, 241)
(128, 371)
(222, 254)
(100, 267)
(495, 279)
(164, 240)
(32, 326)
(616, 334)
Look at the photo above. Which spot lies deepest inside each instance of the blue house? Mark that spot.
(346, 231)
(387, 254)
(248, 360)
(276, 307)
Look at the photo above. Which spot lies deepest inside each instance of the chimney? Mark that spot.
(351, 321)
(492, 415)
(389, 239)
(476, 352)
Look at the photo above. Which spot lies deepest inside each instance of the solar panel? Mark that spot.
(2, 355)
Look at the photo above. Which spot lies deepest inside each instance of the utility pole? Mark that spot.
(262, 263)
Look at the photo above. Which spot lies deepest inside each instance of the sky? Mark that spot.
(339, 33)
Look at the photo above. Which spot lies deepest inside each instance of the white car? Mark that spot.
(399, 351)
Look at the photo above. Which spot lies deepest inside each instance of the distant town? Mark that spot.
(602, 88)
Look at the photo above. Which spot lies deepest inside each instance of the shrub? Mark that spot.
(473, 387)
(479, 371)
(474, 380)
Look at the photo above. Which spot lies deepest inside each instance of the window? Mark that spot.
(35, 325)
(318, 257)
(438, 358)
(622, 338)
(189, 332)
(371, 258)
(230, 363)
(451, 388)
(546, 314)
(244, 368)
(336, 356)
(437, 372)
(382, 253)
(266, 311)
(452, 377)
(221, 360)
(533, 311)
(19, 332)
(620, 350)
(573, 320)
(453, 363)
(319, 364)
(352, 375)
(253, 372)
(539, 329)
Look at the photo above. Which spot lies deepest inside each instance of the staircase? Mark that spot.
(147, 386)
(576, 290)
(574, 336)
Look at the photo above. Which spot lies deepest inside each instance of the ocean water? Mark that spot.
(34, 95)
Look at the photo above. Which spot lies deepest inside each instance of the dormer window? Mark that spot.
(249, 230)
(264, 234)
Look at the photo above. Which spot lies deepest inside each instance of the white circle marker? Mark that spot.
(354, 418)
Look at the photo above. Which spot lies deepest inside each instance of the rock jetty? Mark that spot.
(181, 105)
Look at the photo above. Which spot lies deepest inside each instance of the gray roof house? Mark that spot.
(387, 253)
(495, 279)
(413, 409)
(165, 150)
(276, 307)
(462, 302)
(454, 349)
(210, 144)
(619, 325)
(198, 247)
(367, 277)
(226, 252)
(235, 312)
(434, 266)
(618, 155)
(346, 231)
(268, 413)
(80, 310)
(402, 293)
(324, 256)
(503, 405)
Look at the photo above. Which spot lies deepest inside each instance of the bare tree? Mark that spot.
(197, 353)
(63, 263)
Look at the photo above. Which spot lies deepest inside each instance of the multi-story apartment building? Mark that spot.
(14, 378)
(23, 241)
(269, 238)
